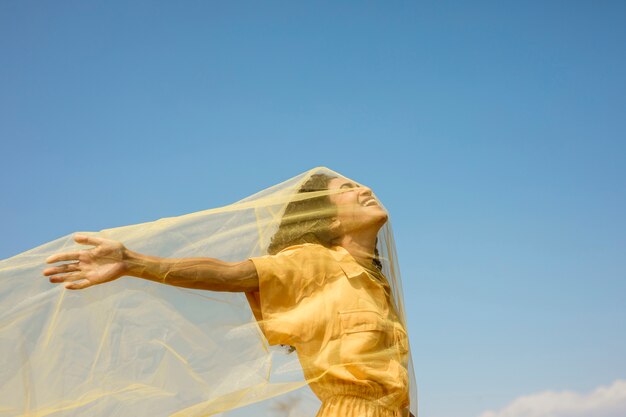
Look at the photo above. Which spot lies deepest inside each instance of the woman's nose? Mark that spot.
(365, 190)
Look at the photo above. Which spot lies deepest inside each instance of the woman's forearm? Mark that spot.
(199, 273)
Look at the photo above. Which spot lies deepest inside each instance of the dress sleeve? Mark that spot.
(288, 281)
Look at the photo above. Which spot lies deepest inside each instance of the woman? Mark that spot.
(320, 290)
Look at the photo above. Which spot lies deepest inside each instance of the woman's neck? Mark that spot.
(361, 245)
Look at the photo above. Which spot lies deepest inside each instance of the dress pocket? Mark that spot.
(365, 336)
(354, 321)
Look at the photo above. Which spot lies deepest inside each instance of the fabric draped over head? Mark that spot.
(133, 347)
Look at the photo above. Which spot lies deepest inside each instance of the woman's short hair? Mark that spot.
(306, 220)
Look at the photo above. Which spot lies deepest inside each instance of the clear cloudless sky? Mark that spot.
(493, 131)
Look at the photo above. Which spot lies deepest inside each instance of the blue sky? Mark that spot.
(494, 132)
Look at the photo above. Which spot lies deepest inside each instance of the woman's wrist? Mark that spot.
(147, 267)
(132, 263)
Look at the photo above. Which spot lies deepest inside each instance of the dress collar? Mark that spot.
(347, 262)
(353, 269)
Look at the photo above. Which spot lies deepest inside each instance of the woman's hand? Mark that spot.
(100, 264)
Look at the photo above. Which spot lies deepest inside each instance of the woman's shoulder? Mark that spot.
(313, 253)
(306, 248)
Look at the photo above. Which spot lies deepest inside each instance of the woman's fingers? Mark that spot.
(88, 240)
(67, 256)
(79, 285)
(71, 277)
(73, 256)
(102, 263)
(61, 269)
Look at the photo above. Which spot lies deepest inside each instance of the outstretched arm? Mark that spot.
(110, 259)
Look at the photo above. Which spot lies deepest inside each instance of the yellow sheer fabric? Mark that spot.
(133, 347)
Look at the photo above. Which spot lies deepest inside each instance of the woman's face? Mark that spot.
(357, 209)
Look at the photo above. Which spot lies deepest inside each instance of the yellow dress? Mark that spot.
(340, 318)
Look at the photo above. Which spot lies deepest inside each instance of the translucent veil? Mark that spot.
(133, 347)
